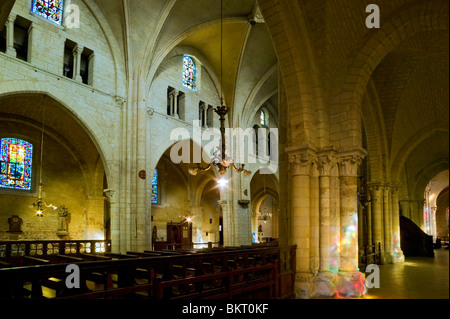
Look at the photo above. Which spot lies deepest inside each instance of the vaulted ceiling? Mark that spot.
(148, 30)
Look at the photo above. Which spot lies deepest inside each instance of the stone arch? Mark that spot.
(376, 135)
(154, 65)
(398, 162)
(412, 19)
(71, 107)
(307, 115)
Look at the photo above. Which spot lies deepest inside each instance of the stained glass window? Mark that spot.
(155, 187)
(15, 164)
(49, 9)
(189, 73)
(262, 118)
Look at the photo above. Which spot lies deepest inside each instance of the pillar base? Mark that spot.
(324, 284)
(330, 285)
(350, 284)
(398, 256)
(387, 257)
(303, 287)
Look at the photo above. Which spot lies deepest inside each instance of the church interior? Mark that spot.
(224, 148)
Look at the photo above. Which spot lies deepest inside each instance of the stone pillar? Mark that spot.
(377, 214)
(335, 220)
(228, 227)
(115, 220)
(205, 116)
(397, 252)
(77, 62)
(416, 209)
(433, 222)
(387, 225)
(30, 43)
(349, 165)
(349, 282)
(300, 164)
(175, 104)
(95, 217)
(10, 50)
(369, 219)
(404, 204)
(427, 211)
(198, 235)
(171, 103)
(325, 162)
(91, 69)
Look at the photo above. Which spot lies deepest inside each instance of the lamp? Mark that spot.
(40, 205)
(221, 161)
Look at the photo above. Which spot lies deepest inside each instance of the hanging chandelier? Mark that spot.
(220, 159)
(40, 205)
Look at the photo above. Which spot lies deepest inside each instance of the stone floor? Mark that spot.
(416, 278)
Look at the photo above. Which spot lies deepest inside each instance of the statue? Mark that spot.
(154, 234)
(62, 221)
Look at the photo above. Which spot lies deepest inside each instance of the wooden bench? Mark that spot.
(33, 261)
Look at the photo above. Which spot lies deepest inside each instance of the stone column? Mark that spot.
(377, 214)
(198, 235)
(427, 211)
(387, 224)
(404, 204)
(228, 227)
(10, 50)
(397, 252)
(349, 165)
(205, 116)
(300, 164)
(30, 43)
(77, 62)
(369, 219)
(95, 217)
(349, 282)
(325, 164)
(115, 220)
(175, 104)
(433, 222)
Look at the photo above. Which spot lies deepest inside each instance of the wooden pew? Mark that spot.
(33, 261)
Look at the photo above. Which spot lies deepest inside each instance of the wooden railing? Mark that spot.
(164, 245)
(242, 272)
(371, 255)
(40, 248)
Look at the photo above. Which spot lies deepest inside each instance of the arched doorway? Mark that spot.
(180, 198)
(65, 157)
(265, 208)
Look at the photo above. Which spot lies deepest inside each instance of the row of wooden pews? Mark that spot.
(232, 272)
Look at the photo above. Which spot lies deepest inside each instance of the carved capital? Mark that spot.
(77, 50)
(301, 164)
(110, 195)
(349, 164)
(223, 204)
(326, 161)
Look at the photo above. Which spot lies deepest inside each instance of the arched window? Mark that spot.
(51, 10)
(189, 73)
(155, 197)
(262, 118)
(15, 164)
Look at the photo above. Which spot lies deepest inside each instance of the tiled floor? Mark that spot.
(416, 278)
